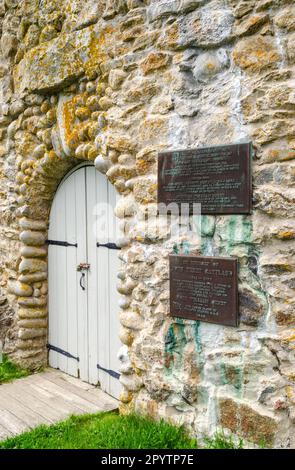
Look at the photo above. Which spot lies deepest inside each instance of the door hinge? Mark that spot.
(112, 373)
(61, 351)
(60, 243)
(110, 246)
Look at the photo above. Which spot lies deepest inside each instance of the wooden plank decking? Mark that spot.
(46, 398)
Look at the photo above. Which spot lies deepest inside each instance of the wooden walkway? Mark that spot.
(46, 398)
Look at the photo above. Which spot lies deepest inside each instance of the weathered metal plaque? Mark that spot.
(218, 178)
(204, 288)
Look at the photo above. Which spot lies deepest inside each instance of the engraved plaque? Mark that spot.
(218, 178)
(204, 288)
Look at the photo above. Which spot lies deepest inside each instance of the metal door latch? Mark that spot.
(83, 267)
(110, 246)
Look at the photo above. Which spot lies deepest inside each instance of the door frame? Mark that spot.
(81, 166)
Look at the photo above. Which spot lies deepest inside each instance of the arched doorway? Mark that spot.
(83, 265)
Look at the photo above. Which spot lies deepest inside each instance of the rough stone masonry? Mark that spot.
(115, 82)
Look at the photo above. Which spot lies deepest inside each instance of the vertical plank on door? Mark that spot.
(52, 299)
(102, 274)
(57, 281)
(114, 267)
(91, 197)
(62, 281)
(82, 304)
(71, 266)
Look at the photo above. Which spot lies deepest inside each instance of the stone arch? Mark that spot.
(30, 285)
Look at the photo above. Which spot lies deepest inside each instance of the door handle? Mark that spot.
(81, 268)
(81, 281)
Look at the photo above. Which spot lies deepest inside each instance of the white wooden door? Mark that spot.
(83, 305)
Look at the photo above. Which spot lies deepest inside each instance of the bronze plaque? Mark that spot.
(204, 288)
(218, 178)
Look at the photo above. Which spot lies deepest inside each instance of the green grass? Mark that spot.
(112, 431)
(104, 431)
(10, 371)
(220, 441)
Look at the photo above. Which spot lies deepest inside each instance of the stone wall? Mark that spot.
(114, 82)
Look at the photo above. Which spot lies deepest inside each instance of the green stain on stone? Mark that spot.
(199, 348)
(183, 248)
(207, 226)
(175, 249)
(223, 378)
(237, 232)
(170, 344)
(240, 380)
(197, 336)
(231, 375)
(206, 246)
(247, 229)
(186, 248)
(232, 224)
(175, 341)
(170, 340)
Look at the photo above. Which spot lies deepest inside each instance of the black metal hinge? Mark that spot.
(110, 246)
(61, 351)
(112, 373)
(59, 243)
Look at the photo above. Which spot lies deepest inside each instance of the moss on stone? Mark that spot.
(10, 371)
